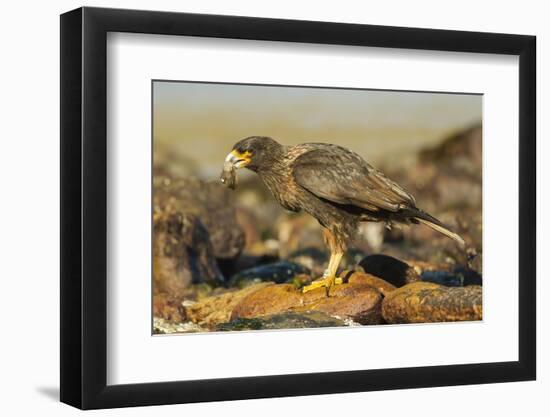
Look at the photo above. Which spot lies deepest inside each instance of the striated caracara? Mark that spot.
(334, 185)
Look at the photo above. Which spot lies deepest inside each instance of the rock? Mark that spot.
(354, 301)
(392, 270)
(448, 279)
(182, 253)
(168, 308)
(271, 299)
(210, 311)
(382, 286)
(209, 203)
(162, 326)
(283, 321)
(470, 276)
(458, 277)
(278, 272)
(424, 302)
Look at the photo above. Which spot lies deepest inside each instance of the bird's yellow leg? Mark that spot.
(329, 277)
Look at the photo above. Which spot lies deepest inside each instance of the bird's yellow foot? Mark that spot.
(326, 281)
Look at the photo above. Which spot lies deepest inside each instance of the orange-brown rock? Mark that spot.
(382, 286)
(168, 307)
(424, 302)
(268, 300)
(355, 300)
(210, 311)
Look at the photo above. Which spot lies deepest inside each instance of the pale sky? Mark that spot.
(204, 120)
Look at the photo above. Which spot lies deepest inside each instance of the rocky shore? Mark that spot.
(231, 261)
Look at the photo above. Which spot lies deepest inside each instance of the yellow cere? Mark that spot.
(246, 155)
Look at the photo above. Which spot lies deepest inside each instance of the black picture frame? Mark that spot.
(84, 207)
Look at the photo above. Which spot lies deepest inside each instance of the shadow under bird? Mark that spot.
(334, 185)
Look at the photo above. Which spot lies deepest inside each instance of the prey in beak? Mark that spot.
(233, 161)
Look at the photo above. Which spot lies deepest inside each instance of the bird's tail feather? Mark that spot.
(435, 224)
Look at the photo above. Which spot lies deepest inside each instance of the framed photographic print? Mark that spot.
(258, 207)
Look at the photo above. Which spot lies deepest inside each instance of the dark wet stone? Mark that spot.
(469, 276)
(283, 321)
(390, 269)
(278, 272)
(457, 277)
(449, 279)
(426, 302)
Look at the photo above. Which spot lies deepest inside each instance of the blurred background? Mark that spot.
(211, 239)
(197, 123)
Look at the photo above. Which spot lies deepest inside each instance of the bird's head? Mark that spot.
(255, 153)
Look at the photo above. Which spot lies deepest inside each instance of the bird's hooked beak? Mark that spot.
(237, 159)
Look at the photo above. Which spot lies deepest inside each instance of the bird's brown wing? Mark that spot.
(343, 177)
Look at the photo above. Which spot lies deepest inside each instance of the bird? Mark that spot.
(334, 185)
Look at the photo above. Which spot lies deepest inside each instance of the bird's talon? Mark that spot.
(314, 285)
(326, 282)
